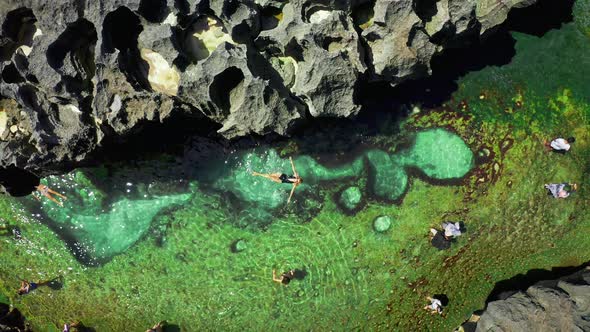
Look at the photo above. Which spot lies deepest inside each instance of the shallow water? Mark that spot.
(141, 242)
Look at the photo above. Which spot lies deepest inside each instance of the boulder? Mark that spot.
(551, 305)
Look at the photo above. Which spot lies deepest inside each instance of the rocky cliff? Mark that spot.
(74, 71)
(552, 305)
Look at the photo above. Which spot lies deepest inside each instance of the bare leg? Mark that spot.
(273, 177)
(274, 277)
(51, 198)
(56, 193)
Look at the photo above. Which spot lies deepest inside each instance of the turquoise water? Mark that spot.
(98, 224)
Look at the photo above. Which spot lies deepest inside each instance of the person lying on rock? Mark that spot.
(561, 190)
(435, 306)
(559, 144)
(27, 287)
(47, 192)
(294, 179)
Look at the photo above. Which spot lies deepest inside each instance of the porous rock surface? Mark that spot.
(74, 72)
(552, 305)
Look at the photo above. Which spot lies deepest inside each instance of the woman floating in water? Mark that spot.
(294, 179)
(47, 192)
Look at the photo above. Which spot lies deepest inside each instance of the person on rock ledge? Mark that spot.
(561, 190)
(435, 306)
(294, 179)
(559, 144)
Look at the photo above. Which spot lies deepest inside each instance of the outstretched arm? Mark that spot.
(292, 191)
(274, 276)
(293, 166)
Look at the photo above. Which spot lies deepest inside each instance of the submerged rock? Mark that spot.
(382, 224)
(350, 198)
(238, 245)
(75, 72)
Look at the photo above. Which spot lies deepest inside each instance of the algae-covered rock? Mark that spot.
(387, 179)
(440, 154)
(350, 198)
(382, 224)
(238, 245)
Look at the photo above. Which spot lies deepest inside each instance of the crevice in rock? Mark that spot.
(294, 50)
(154, 11)
(18, 29)
(11, 75)
(270, 17)
(362, 15)
(224, 87)
(425, 9)
(78, 40)
(182, 6)
(129, 58)
(311, 8)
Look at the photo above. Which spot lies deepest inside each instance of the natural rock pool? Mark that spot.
(195, 243)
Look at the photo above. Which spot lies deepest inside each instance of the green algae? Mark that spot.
(357, 279)
(350, 198)
(440, 155)
(97, 230)
(388, 179)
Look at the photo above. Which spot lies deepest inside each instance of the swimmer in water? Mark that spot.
(27, 287)
(47, 192)
(284, 278)
(294, 179)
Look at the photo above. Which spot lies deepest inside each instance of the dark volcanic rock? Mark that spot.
(551, 305)
(75, 72)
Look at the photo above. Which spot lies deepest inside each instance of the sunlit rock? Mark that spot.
(161, 76)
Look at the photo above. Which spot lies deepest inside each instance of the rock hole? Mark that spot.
(11, 75)
(318, 11)
(203, 37)
(182, 6)
(121, 28)
(17, 182)
(294, 50)
(130, 62)
(18, 29)
(226, 88)
(154, 11)
(78, 40)
(425, 9)
(270, 18)
(332, 44)
(362, 15)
